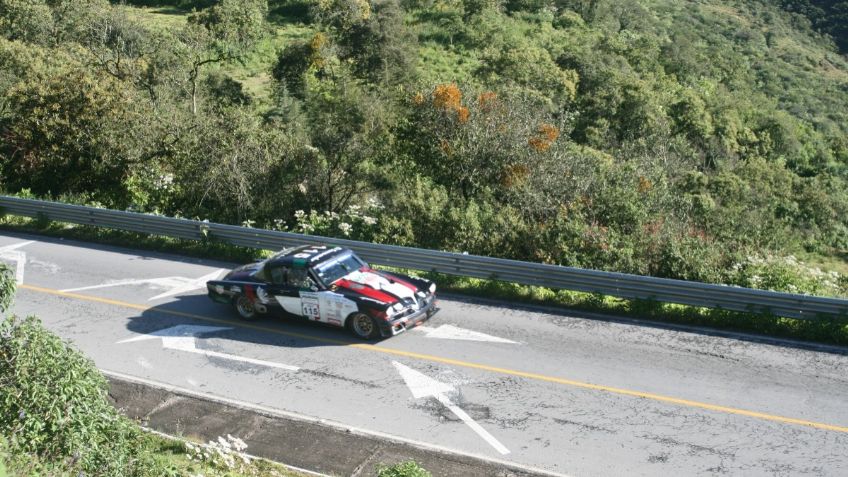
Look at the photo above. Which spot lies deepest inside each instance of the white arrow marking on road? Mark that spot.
(182, 338)
(450, 332)
(10, 252)
(176, 285)
(424, 386)
(192, 285)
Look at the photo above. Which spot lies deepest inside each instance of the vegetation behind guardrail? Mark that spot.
(553, 276)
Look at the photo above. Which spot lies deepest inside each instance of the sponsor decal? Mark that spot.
(219, 289)
(324, 254)
(235, 289)
(262, 295)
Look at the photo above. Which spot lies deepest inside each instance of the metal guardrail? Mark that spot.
(554, 276)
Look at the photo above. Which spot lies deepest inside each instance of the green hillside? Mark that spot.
(703, 140)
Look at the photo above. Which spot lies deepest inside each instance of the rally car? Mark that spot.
(328, 285)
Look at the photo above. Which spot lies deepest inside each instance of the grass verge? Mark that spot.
(827, 330)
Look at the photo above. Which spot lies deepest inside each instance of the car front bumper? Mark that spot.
(401, 324)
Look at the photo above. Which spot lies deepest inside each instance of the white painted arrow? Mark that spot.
(10, 252)
(421, 386)
(174, 285)
(450, 332)
(182, 338)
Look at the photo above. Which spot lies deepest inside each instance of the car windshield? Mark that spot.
(338, 267)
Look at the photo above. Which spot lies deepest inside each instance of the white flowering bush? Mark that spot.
(356, 222)
(787, 274)
(225, 454)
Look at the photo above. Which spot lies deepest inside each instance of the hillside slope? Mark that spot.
(686, 139)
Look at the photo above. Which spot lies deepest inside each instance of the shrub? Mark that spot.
(54, 411)
(7, 287)
(403, 469)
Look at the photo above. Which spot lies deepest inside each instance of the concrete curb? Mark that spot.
(303, 442)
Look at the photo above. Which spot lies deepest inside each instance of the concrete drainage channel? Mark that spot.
(307, 443)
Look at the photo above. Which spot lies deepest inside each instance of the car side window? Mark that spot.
(299, 278)
(278, 275)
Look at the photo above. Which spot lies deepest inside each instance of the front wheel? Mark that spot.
(245, 309)
(364, 326)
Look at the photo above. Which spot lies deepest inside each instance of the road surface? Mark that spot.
(542, 389)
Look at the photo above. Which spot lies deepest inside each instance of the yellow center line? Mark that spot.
(454, 362)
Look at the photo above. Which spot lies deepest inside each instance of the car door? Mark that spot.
(298, 280)
(280, 290)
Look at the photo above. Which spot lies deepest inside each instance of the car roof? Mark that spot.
(306, 255)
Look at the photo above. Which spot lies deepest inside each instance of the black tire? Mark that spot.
(363, 326)
(244, 308)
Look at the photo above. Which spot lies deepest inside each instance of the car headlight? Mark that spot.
(432, 288)
(397, 306)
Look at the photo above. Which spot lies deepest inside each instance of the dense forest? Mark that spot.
(704, 140)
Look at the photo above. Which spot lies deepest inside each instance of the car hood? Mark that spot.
(376, 286)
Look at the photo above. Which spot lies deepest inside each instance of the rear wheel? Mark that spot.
(364, 326)
(245, 309)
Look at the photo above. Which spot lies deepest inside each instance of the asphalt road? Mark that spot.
(547, 390)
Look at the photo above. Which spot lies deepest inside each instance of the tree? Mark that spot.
(234, 168)
(383, 49)
(221, 33)
(349, 134)
(26, 20)
(58, 134)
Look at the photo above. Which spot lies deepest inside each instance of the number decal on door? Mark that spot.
(309, 305)
(311, 311)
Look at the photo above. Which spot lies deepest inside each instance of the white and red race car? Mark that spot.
(328, 285)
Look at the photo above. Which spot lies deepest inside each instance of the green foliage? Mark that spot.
(7, 287)
(828, 16)
(234, 168)
(292, 64)
(403, 469)
(233, 25)
(53, 407)
(651, 136)
(26, 20)
(382, 48)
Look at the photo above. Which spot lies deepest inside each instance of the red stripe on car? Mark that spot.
(365, 290)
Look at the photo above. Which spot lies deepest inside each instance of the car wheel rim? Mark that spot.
(245, 307)
(363, 326)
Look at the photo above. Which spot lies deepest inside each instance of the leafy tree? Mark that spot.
(62, 134)
(220, 33)
(298, 59)
(26, 20)
(232, 168)
(829, 16)
(382, 48)
(348, 134)
(341, 15)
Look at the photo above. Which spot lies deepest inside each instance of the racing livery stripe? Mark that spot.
(366, 291)
(251, 295)
(394, 279)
